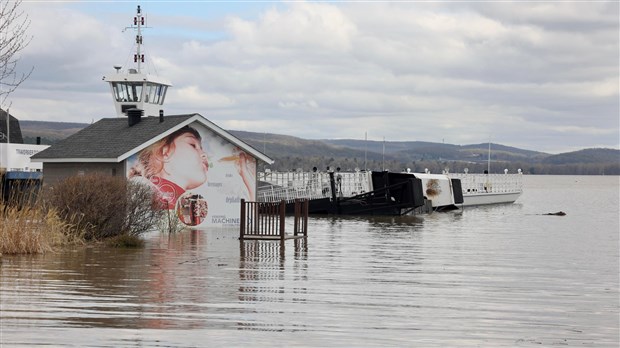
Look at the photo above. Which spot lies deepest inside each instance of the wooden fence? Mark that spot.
(266, 220)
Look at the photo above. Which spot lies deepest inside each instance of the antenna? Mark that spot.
(489, 160)
(8, 129)
(365, 150)
(383, 156)
(139, 22)
(133, 88)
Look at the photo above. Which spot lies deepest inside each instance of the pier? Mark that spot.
(266, 220)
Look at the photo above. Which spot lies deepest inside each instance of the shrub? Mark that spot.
(104, 206)
(170, 223)
(125, 241)
(143, 210)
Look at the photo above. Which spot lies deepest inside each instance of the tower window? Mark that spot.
(127, 91)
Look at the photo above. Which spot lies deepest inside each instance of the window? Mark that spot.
(148, 93)
(136, 91)
(163, 94)
(154, 93)
(157, 94)
(127, 91)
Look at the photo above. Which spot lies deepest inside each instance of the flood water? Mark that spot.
(489, 276)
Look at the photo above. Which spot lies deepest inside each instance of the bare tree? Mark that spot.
(13, 39)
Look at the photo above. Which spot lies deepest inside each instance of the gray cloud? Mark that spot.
(541, 76)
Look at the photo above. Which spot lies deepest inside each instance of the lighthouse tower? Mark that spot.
(131, 89)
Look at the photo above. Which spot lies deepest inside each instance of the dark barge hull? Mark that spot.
(395, 194)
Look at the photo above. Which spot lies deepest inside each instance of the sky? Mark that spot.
(537, 75)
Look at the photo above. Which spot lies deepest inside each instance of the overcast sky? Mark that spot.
(538, 75)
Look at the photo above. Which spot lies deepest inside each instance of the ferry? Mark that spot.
(484, 189)
(388, 193)
(487, 188)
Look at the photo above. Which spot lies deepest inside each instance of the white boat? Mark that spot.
(486, 188)
(483, 189)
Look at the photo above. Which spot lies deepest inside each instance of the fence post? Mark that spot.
(305, 209)
(296, 219)
(282, 213)
(242, 222)
(256, 216)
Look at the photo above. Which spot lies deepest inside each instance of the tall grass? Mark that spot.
(27, 225)
(32, 230)
(79, 209)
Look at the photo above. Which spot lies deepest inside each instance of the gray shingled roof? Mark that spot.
(110, 138)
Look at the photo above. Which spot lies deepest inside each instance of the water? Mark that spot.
(489, 276)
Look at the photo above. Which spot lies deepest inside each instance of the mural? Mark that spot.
(198, 174)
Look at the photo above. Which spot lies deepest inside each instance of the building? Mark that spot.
(17, 172)
(200, 170)
(14, 154)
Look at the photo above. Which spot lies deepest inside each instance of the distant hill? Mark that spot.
(297, 153)
(50, 132)
(585, 156)
(425, 151)
(277, 145)
(52, 126)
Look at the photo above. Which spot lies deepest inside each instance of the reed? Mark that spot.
(27, 226)
(32, 230)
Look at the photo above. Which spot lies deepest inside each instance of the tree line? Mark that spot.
(297, 163)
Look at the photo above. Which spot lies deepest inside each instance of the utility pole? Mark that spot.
(365, 149)
(383, 156)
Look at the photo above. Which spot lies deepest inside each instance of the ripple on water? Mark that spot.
(489, 276)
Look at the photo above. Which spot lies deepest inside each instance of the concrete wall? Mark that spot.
(55, 172)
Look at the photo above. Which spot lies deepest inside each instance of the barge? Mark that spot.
(387, 193)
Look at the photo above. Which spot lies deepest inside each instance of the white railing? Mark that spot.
(489, 183)
(289, 194)
(289, 186)
(311, 185)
